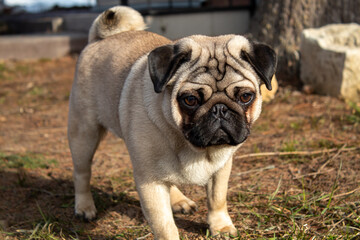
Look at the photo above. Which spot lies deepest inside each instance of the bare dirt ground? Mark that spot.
(306, 187)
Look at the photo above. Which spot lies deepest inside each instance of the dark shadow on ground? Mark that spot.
(27, 200)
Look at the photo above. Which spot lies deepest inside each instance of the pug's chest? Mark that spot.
(198, 168)
(199, 172)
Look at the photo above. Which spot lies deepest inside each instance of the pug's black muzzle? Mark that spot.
(218, 126)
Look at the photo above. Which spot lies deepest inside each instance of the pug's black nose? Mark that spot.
(220, 110)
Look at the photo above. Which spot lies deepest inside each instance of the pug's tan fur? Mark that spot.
(131, 84)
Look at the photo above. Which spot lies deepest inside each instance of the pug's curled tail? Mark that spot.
(115, 20)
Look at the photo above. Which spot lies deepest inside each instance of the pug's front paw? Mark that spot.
(220, 224)
(85, 207)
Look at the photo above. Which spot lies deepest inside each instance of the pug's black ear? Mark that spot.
(263, 59)
(163, 63)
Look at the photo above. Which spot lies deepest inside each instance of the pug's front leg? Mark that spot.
(218, 216)
(155, 203)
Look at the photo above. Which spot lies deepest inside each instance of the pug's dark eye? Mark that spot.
(191, 101)
(246, 97)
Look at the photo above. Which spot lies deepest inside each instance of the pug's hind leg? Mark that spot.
(84, 138)
(180, 203)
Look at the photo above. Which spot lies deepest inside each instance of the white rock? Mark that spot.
(330, 60)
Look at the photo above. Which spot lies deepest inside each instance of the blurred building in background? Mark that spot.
(178, 18)
(67, 27)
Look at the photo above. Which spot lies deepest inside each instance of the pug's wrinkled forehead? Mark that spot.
(216, 62)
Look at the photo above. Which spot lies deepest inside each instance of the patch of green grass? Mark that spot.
(28, 160)
(297, 126)
(2, 67)
(321, 144)
(46, 228)
(24, 69)
(4, 71)
(316, 122)
(282, 215)
(354, 117)
(44, 60)
(37, 91)
(289, 146)
(243, 197)
(256, 149)
(262, 127)
(69, 204)
(132, 233)
(2, 99)
(21, 69)
(66, 96)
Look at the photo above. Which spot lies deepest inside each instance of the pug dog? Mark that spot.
(182, 107)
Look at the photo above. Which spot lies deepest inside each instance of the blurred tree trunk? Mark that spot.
(279, 23)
